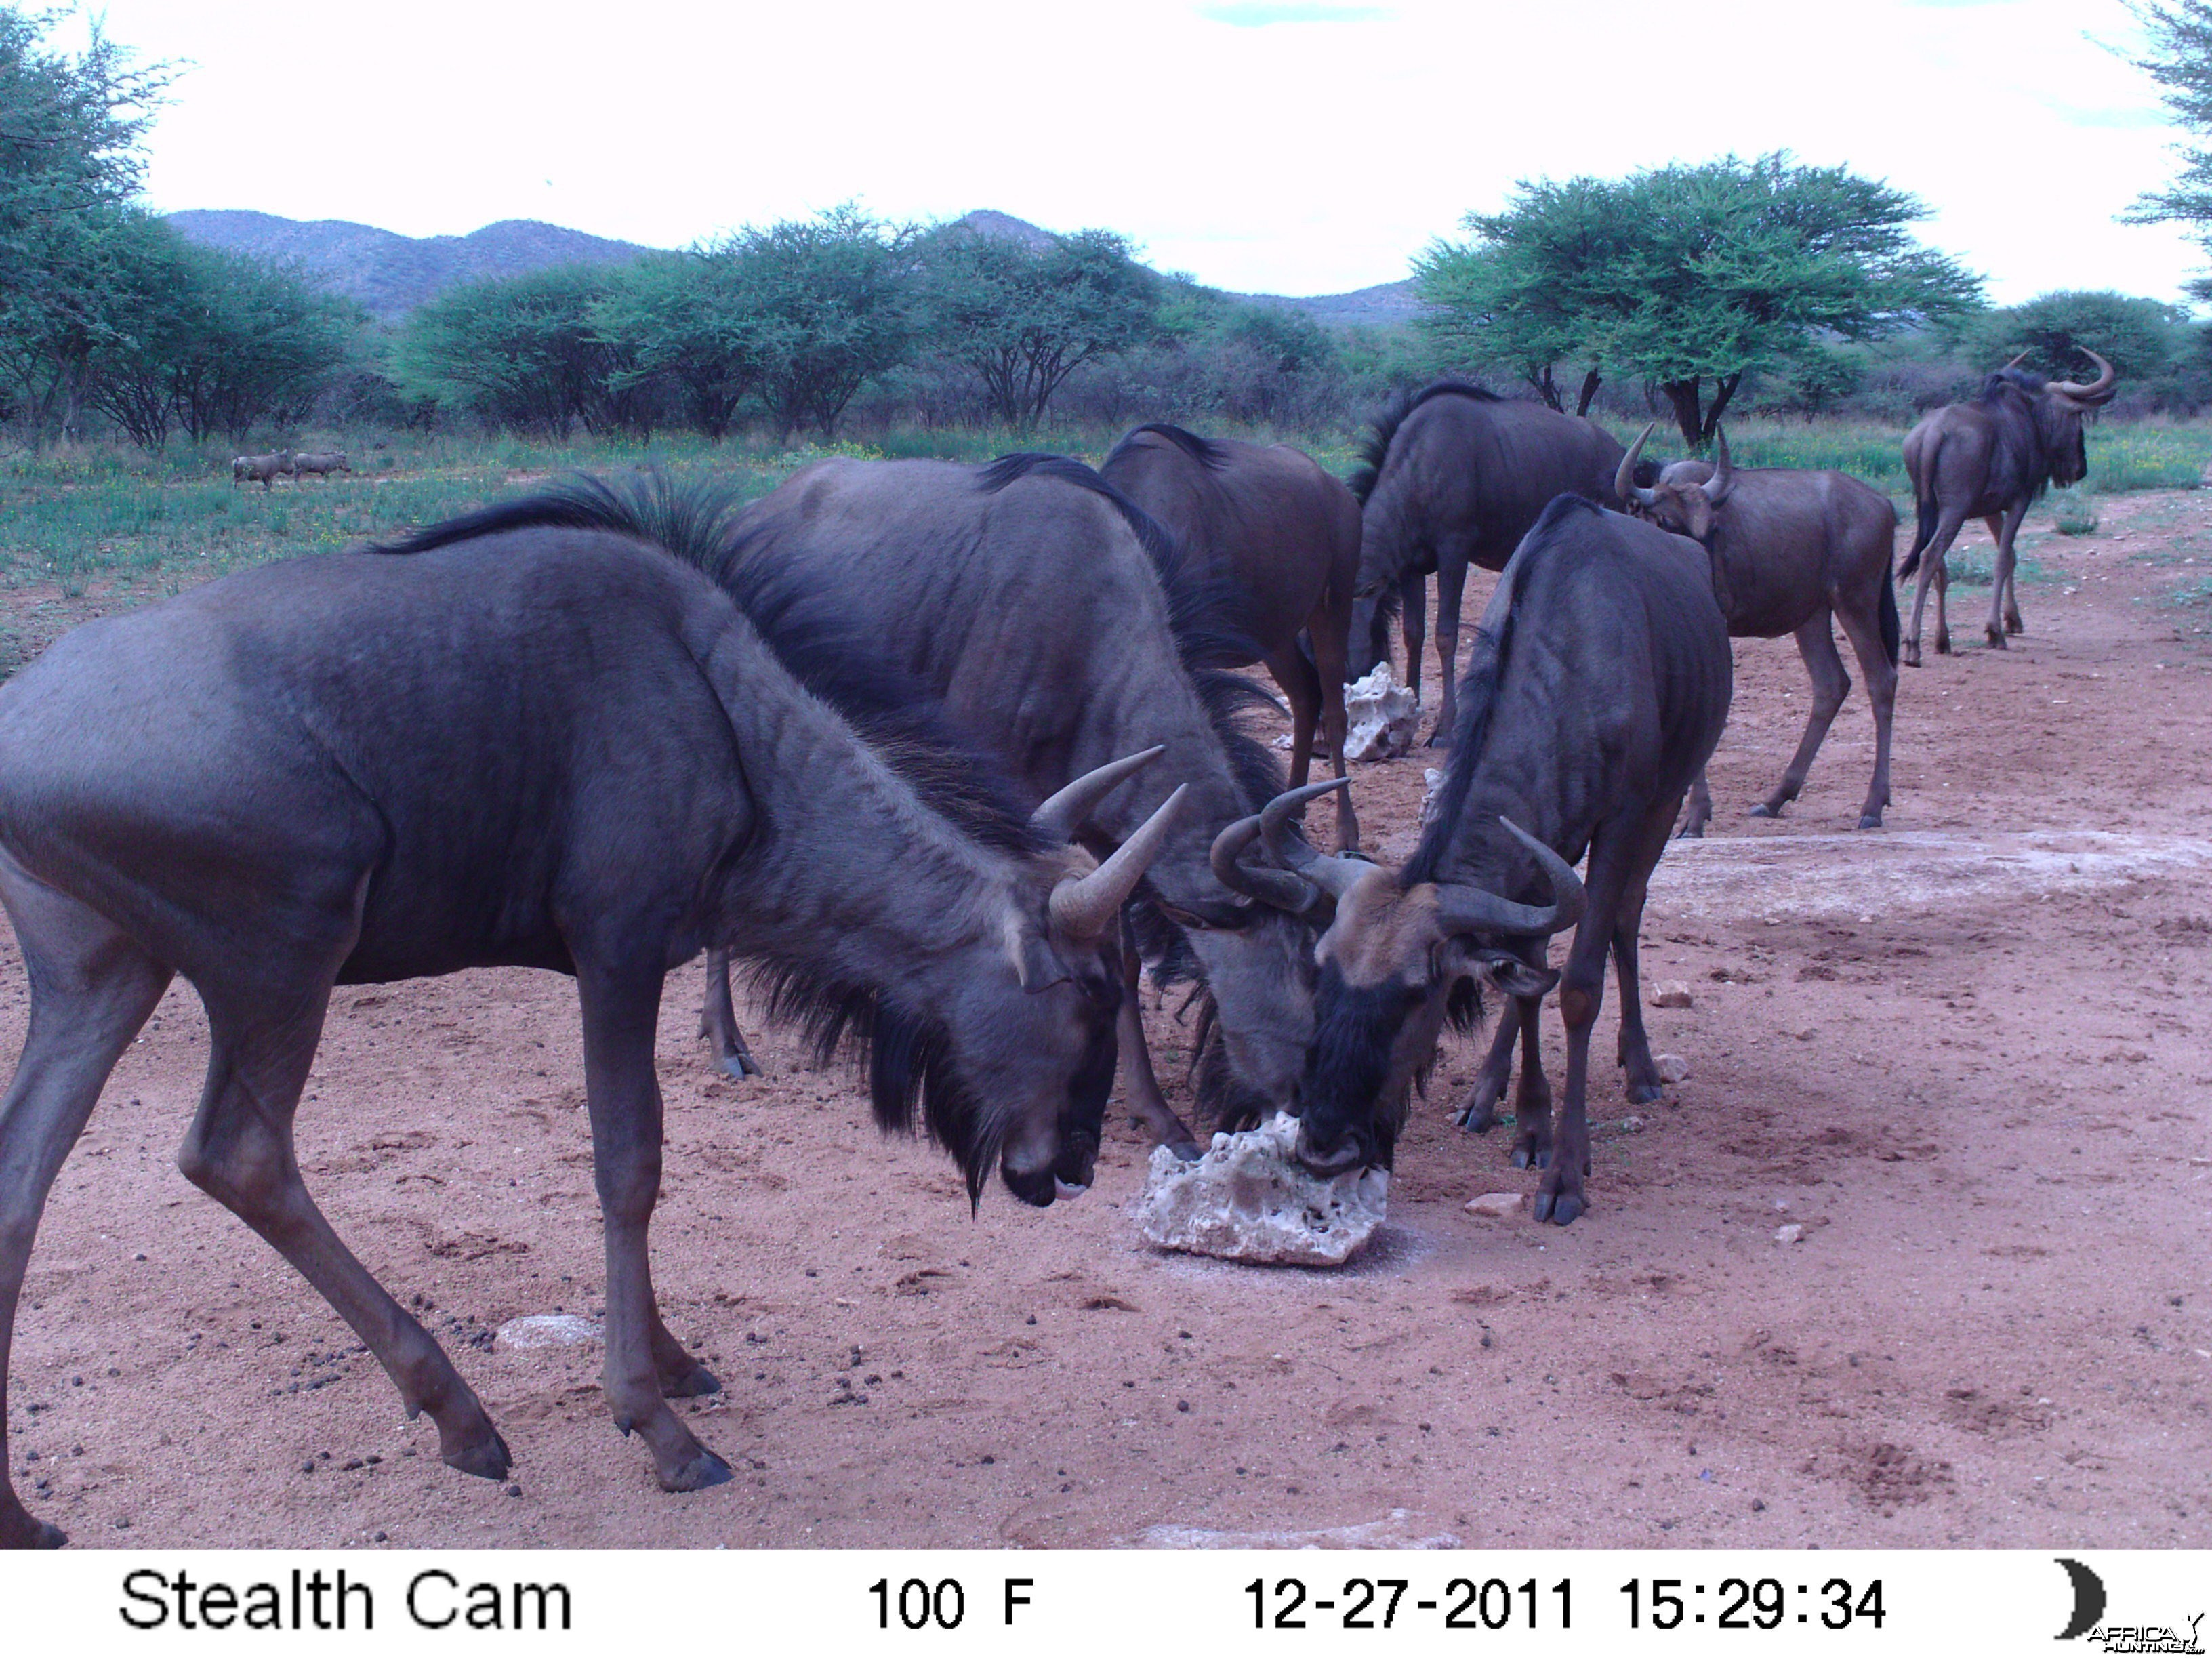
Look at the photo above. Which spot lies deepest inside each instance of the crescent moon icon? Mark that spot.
(2088, 1599)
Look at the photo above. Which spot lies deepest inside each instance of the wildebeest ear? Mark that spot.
(1037, 965)
(1699, 513)
(1512, 976)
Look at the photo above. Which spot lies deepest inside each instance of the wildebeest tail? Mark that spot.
(1890, 631)
(1926, 511)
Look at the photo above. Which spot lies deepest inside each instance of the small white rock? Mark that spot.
(545, 1331)
(1672, 1068)
(1432, 781)
(1670, 994)
(1790, 1233)
(1248, 1199)
(1382, 716)
(1495, 1204)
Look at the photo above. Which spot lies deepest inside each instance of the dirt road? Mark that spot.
(1968, 1056)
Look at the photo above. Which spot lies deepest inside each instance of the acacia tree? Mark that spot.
(524, 352)
(688, 322)
(1687, 275)
(2180, 61)
(70, 167)
(832, 300)
(1024, 319)
(2141, 338)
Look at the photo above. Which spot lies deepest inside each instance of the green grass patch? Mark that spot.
(1976, 566)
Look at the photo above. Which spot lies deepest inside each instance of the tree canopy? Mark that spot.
(1025, 318)
(1689, 274)
(2180, 61)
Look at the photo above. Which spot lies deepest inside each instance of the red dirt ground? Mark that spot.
(1968, 1054)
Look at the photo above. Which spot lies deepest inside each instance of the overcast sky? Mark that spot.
(1284, 147)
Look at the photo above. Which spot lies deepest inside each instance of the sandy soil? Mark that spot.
(1967, 1055)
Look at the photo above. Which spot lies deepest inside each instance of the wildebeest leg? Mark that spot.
(1863, 629)
(238, 1151)
(2004, 609)
(1816, 644)
(1141, 1090)
(1478, 1113)
(621, 1010)
(1414, 624)
(718, 1021)
(1451, 584)
(1643, 1083)
(91, 990)
(1328, 643)
(1701, 808)
(1942, 616)
(1302, 684)
(1614, 851)
(1931, 570)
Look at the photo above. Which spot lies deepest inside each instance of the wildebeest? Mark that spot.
(247, 469)
(1599, 684)
(321, 465)
(1285, 535)
(1454, 476)
(1789, 547)
(552, 748)
(1061, 628)
(1992, 459)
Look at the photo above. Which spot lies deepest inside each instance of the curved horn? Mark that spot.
(1063, 811)
(2016, 362)
(1624, 479)
(2096, 388)
(1335, 876)
(1717, 488)
(1084, 907)
(1470, 909)
(1278, 888)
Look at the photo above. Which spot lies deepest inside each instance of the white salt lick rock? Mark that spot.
(1248, 1199)
(1381, 716)
(534, 1331)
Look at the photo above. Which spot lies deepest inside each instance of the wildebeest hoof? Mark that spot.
(699, 1471)
(1690, 832)
(1995, 637)
(1911, 659)
(2015, 625)
(690, 1384)
(1764, 811)
(1186, 1151)
(1869, 820)
(741, 1066)
(1942, 645)
(1477, 1119)
(486, 1459)
(1532, 1158)
(1643, 1094)
(1557, 1208)
(24, 1531)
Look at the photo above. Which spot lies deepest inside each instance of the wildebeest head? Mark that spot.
(2058, 407)
(1684, 496)
(1396, 961)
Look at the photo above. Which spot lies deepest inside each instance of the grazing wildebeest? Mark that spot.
(1454, 476)
(1789, 547)
(1285, 536)
(1055, 621)
(553, 748)
(1600, 682)
(321, 465)
(247, 469)
(1992, 459)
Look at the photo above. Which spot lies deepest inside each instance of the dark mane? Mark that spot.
(1478, 691)
(1374, 444)
(906, 1049)
(2017, 380)
(1206, 453)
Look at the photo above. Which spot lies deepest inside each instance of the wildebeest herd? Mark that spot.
(946, 754)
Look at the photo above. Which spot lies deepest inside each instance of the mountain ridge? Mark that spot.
(389, 274)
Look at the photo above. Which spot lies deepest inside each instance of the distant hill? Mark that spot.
(390, 273)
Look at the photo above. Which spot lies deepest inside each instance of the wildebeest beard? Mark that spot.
(1347, 1071)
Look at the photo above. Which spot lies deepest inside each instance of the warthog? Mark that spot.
(321, 465)
(1992, 459)
(247, 469)
(1599, 684)
(1453, 476)
(549, 748)
(1788, 547)
(1061, 627)
(1284, 535)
